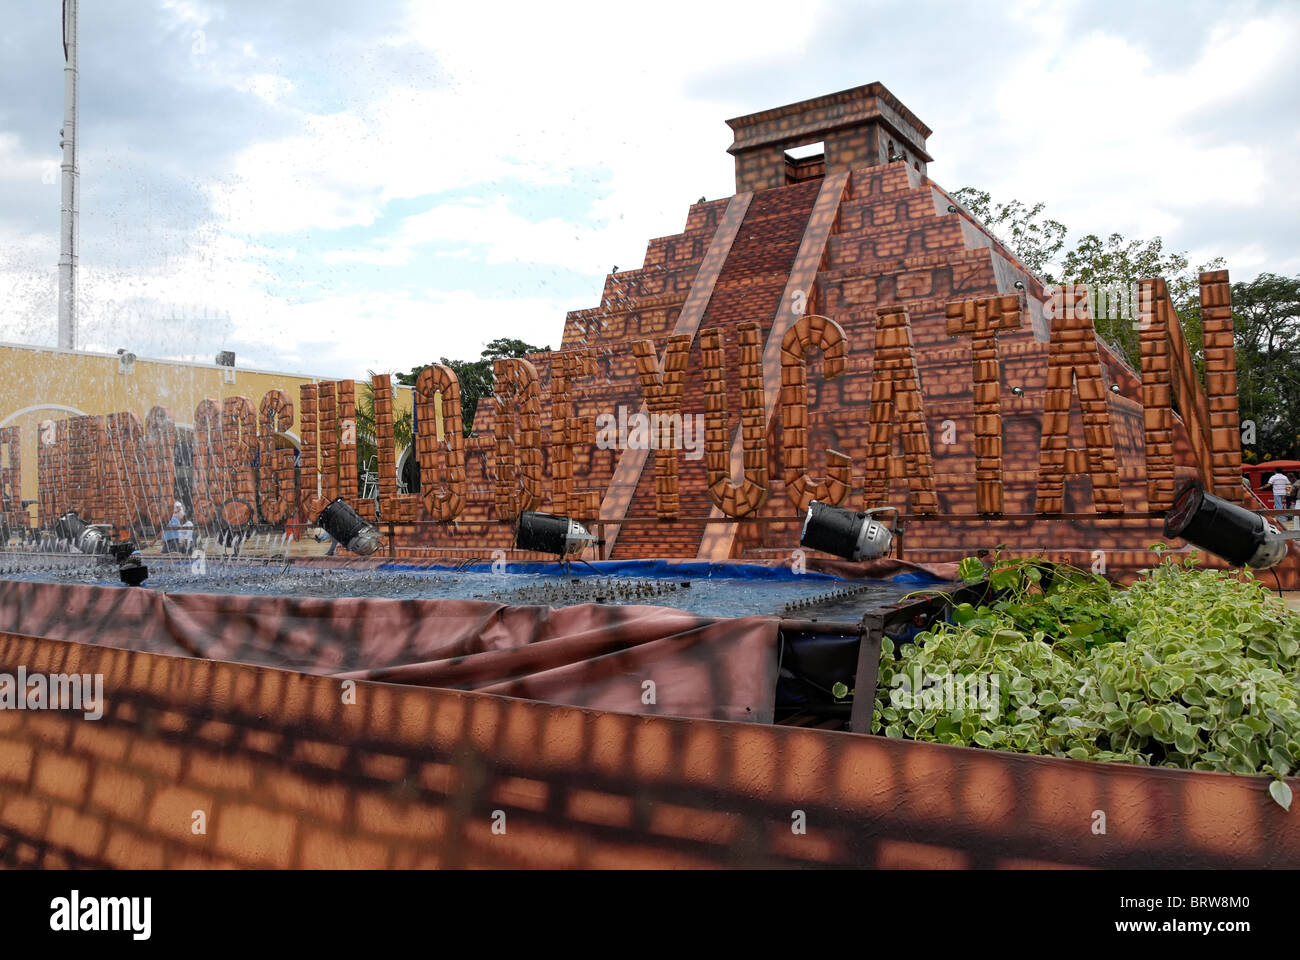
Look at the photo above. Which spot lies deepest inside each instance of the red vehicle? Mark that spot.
(1258, 473)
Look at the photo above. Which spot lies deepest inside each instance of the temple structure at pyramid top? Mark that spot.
(861, 127)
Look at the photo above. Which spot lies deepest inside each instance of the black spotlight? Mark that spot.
(1237, 535)
(850, 534)
(121, 550)
(547, 533)
(82, 536)
(346, 526)
(130, 568)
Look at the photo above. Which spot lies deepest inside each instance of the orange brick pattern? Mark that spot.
(85, 482)
(888, 243)
(239, 436)
(700, 279)
(799, 295)
(1221, 384)
(870, 235)
(209, 461)
(567, 432)
(442, 461)
(276, 494)
(160, 466)
(857, 128)
(349, 482)
(1188, 394)
(518, 432)
(95, 466)
(1157, 393)
(981, 319)
(663, 385)
(51, 469)
(827, 336)
(896, 398)
(123, 470)
(735, 499)
(288, 775)
(327, 430)
(392, 505)
(328, 459)
(11, 478)
(1073, 361)
(753, 285)
(312, 503)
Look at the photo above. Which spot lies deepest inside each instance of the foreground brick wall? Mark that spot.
(287, 775)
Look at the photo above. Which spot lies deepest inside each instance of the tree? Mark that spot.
(1111, 268)
(1033, 238)
(1117, 264)
(475, 376)
(1266, 318)
(1266, 310)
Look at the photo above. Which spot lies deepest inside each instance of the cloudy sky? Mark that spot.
(327, 186)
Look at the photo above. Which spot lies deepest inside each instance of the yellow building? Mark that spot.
(48, 383)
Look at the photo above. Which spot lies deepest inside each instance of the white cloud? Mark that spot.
(267, 86)
(1114, 144)
(604, 100)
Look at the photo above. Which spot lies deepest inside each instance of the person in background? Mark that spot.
(187, 537)
(320, 538)
(172, 532)
(1281, 484)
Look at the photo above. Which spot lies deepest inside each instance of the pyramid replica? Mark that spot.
(848, 333)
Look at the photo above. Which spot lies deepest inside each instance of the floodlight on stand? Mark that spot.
(130, 566)
(547, 533)
(82, 536)
(1241, 537)
(346, 526)
(851, 534)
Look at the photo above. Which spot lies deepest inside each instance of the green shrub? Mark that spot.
(1186, 668)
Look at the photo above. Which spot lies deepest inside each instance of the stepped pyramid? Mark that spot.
(845, 234)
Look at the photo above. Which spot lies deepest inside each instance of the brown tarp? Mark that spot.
(632, 659)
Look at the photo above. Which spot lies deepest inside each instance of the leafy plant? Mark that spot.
(475, 376)
(1187, 668)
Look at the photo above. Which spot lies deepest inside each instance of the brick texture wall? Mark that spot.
(894, 246)
(286, 774)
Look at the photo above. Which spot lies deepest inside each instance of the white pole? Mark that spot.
(68, 226)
